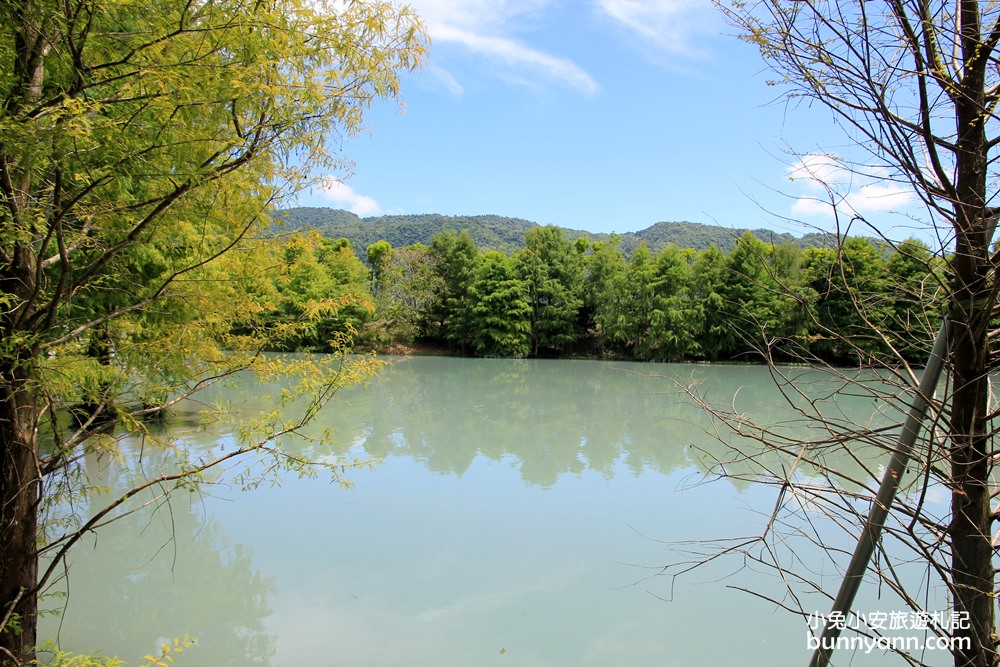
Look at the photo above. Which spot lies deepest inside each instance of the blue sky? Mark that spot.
(602, 115)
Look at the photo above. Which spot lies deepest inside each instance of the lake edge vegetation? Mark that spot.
(561, 298)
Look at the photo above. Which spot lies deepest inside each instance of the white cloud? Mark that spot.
(673, 26)
(817, 169)
(880, 197)
(517, 57)
(852, 190)
(477, 14)
(486, 28)
(811, 207)
(444, 79)
(343, 195)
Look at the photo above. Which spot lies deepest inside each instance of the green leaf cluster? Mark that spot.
(317, 294)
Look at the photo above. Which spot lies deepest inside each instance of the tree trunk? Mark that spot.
(971, 522)
(970, 528)
(20, 477)
(20, 491)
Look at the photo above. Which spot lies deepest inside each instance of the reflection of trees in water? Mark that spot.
(551, 418)
(205, 585)
(546, 418)
(558, 417)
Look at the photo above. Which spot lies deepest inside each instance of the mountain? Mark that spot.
(699, 236)
(490, 232)
(494, 232)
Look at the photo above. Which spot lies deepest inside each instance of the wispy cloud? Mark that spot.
(671, 26)
(831, 184)
(344, 196)
(442, 78)
(486, 14)
(518, 58)
(488, 29)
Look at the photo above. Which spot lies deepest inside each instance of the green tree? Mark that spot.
(763, 299)
(379, 256)
(794, 300)
(918, 284)
(658, 316)
(675, 318)
(455, 260)
(852, 308)
(604, 293)
(148, 136)
(640, 307)
(321, 294)
(407, 285)
(501, 314)
(553, 269)
(715, 335)
(745, 291)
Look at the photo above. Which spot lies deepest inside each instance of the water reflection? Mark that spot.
(155, 575)
(511, 513)
(548, 419)
(553, 418)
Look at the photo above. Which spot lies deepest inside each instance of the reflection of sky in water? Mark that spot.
(521, 506)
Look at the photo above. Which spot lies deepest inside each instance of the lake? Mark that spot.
(522, 514)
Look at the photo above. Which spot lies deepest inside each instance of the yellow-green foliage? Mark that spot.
(54, 657)
(142, 144)
(319, 292)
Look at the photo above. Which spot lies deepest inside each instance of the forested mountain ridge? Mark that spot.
(493, 232)
(700, 237)
(490, 232)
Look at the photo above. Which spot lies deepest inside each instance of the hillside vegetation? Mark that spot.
(506, 235)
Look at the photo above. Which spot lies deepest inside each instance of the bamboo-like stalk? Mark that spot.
(891, 481)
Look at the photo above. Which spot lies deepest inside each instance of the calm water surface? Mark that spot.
(521, 516)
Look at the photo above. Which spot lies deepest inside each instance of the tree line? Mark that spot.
(556, 297)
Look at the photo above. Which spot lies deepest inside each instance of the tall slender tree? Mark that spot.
(676, 320)
(553, 270)
(455, 259)
(604, 293)
(501, 313)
